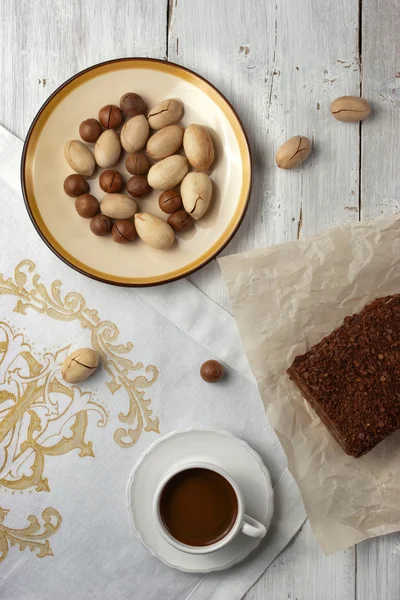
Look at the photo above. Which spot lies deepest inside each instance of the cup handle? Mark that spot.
(253, 528)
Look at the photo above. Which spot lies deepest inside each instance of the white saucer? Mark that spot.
(206, 445)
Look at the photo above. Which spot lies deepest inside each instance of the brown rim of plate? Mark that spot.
(34, 134)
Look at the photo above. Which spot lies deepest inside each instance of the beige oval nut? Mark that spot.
(165, 141)
(107, 149)
(153, 231)
(118, 206)
(79, 157)
(134, 134)
(79, 365)
(350, 109)
(167, 173)
(196, 191)
(165, 113)
(293, 152)
(199, 147)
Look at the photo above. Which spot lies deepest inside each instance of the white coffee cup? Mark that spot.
(243, 523)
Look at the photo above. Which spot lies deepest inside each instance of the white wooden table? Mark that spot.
(280, 62)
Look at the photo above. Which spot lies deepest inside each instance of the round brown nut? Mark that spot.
(90, 130)
(170, 201)
(132, 104)
(137, 186)
(111, 181)
(123, 231)
(75, 185)
(110, 116)
(137, 164)
(211, 371)
(101, 225)
(180, 220)
(87, 206)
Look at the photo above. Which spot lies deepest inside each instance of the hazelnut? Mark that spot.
(111, 181)
(132, 104)
(110, 116)
(170, 201)
(137, 186)
(101, 225)
(75, 185)
(123, 231)
(180, 220)
(87, 206)
(137, 164)
(211, 371)
(90, 130)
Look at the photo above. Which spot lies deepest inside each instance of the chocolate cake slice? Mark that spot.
(352, 377)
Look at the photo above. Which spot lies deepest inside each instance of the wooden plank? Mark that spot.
(302, 572)
(51, 41)
(280, 64)
(378, 560)
(381, 87)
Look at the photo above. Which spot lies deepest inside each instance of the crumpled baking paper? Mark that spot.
(285, 299)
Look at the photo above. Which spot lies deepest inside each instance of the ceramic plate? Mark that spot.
(217, 447)
(44, 170)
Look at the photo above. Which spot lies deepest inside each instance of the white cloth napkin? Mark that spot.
(66, 451)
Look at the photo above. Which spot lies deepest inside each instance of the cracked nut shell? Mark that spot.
(180, 220)
(293, 152)
(137, 164)
(100, 225)
(90, 130)
(170, 201)
(196, 191)
(110, 116)
(350, 109)
(211, 371)
(165, 113)
(75, 185)
(111, 181)
(132, 104)
(87, 206)
(123, 231)
(79, 365)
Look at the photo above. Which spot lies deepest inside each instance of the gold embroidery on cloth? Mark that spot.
(40, 415)
(34, 536)
(32, 294)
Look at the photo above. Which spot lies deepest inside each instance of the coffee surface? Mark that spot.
(198, 507)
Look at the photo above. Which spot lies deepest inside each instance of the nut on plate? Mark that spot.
(211, 371)
(199, 147)
(165, 141)
(111, 181)
(350, 109)
(75, 185)
(137, 186)
(79, 157)
(168, 172)
(107, 149)
(123, 231)
(132, 104)
(180, 221)
(170, 201)
(110, 116)
(118, 206)
(90, 130)
(87, 206)
(196, 191)
(165, 113)
(137, 164)
(79, 365)
(100, 225)
(134, 133)
(293, 152)
(153, 231)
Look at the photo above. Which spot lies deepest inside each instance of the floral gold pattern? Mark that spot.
(34, 536)
(32, 294)
(40, 415)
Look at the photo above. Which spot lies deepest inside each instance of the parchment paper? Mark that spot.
(285, 299)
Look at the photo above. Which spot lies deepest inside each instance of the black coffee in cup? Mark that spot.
(198, 507)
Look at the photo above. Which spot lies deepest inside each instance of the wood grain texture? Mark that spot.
(52, 41)
(280, 64)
